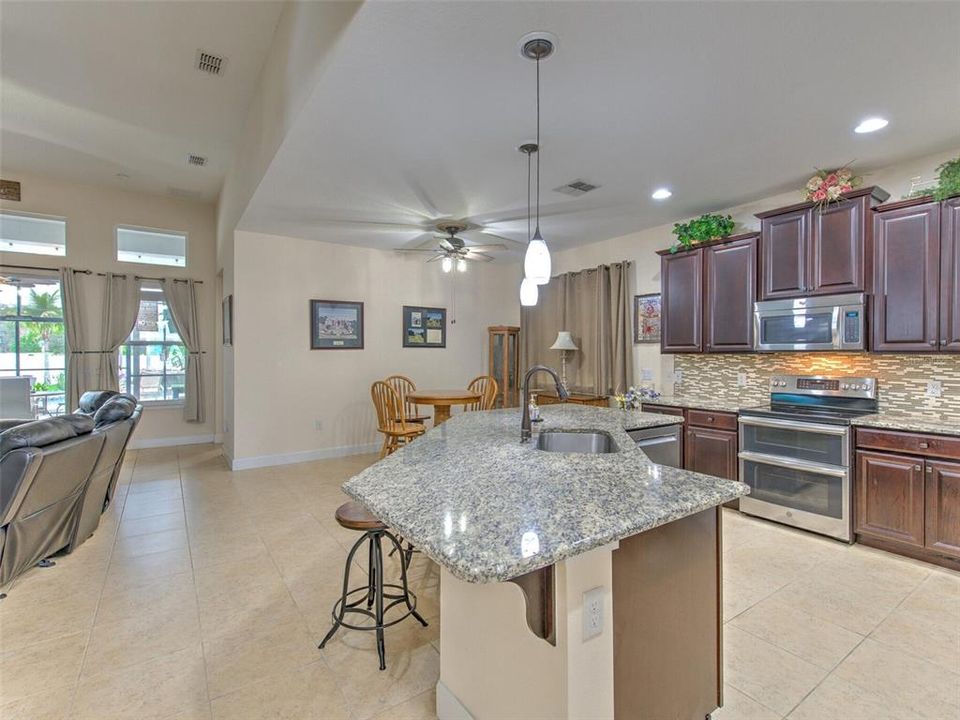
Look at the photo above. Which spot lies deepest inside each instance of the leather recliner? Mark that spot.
(115, 419)
(44, 469)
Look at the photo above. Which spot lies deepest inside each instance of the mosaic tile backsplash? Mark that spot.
(902, 379)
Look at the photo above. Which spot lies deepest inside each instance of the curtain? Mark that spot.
(79, 362)
(181, 297)
(594, 306)
(121, 303)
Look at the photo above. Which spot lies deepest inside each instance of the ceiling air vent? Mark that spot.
(577, 187)
(210, 63)
(198, 160)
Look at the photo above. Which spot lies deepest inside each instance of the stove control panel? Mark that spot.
(819, 385)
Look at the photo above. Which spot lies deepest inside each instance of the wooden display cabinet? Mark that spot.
(503, 363)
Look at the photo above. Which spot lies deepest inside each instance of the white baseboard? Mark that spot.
(260, 461)
(449, 706)
(142, 444)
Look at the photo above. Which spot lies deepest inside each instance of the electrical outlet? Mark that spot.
(646, 374)
(319, 425)
(678, 377)
(741, 379)
(934, 388)
(593, 613)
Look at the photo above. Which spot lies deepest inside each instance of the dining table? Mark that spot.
(442, 401)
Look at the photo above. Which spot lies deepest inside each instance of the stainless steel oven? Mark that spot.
(828, 322)
(796, 453)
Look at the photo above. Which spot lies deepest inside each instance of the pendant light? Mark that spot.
(536, 261)
(529, 294)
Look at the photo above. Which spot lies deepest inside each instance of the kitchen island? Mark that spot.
(521, 534)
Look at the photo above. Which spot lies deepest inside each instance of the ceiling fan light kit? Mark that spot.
(535, 46)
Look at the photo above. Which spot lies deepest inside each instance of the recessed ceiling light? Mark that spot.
(870, 125)
(661, 194)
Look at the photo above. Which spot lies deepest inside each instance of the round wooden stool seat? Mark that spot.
(354, 516)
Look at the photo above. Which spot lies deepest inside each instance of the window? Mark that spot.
(153, 361)
(33, 234)
(152, 247)
(32, 339)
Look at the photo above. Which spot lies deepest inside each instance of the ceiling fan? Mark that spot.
(452, 251)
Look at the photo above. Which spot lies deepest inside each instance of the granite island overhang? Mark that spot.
(489, 509)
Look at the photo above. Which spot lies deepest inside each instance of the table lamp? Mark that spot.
(564, 343)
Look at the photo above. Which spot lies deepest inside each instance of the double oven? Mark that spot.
(796, 452)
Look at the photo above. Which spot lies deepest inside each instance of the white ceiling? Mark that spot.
(92, 89)
(421, 107)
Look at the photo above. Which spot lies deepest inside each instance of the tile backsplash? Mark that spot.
(902, 378)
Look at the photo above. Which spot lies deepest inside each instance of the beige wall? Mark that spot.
(641, 247)
(92, 213)
(282, 388)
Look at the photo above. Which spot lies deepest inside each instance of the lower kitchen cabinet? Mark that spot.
(942, 526)
(711, 451)
(907, 497)
(890, 497)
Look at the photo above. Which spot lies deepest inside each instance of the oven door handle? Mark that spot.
(793, 425)
(762, 459)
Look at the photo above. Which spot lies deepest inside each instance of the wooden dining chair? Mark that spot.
(396, 429)
(486, 387)
(403, 386)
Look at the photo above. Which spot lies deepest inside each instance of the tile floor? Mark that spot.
(204, 593)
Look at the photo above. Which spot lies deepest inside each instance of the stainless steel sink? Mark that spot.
(565, 441)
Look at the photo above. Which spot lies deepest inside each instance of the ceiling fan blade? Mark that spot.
(415, 250)
(441, 256)
(482, 257)
(446, 244)
(482, 248)
(487, 234)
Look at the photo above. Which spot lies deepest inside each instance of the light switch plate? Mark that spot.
(593, 613)
(934, 388)
(741, 379)
(646, 374)
(678, 377)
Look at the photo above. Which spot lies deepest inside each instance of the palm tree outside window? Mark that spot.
(153, 361)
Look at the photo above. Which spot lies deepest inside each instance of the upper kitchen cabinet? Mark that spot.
(808, 251)
(708, 296)
(917, 272)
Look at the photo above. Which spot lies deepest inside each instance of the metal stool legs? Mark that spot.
(372, 594)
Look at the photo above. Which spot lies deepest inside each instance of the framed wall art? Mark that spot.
(336, 325)
(228, 320)
(424, 327)
(646, 318)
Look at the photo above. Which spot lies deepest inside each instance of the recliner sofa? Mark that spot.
(56, 477)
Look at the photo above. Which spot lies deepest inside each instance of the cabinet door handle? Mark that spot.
(929, 469)
(709, 418)
(917, 468)
(923, 445)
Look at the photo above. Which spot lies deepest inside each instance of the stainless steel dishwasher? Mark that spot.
(661, 444)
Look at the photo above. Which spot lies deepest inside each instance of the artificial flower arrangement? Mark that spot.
(633, 398)
(828, 185)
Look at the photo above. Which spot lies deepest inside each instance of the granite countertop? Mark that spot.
(488, 508)
(702, 403)
(938, 423)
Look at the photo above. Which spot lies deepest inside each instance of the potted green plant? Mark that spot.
(704, 228)
(948, 180)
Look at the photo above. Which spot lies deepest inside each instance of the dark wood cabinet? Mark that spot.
(907, 497)
(942, 523)
(806, 250)
(890, 497)
(730, 290)
(950, 275)
(712, 452)
(784, 249)
(708, 296)
(682, 306)
(907, 268)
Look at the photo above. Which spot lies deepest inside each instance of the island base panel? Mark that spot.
(667, 621)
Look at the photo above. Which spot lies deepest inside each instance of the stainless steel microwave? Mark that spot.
(827, 322)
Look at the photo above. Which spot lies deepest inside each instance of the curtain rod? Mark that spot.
(90, 272)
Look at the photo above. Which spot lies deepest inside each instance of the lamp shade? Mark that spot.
(564, 342)
(536, 261)
(528, 293)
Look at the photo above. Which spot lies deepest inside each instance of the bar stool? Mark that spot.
(353, 516)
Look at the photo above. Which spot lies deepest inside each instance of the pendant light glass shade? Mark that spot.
(528, 293)
(446, 264)
(536, 261)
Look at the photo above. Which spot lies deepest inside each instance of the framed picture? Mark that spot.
(336, 325)
(646, 318)
(228, 320)
(424, 327)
